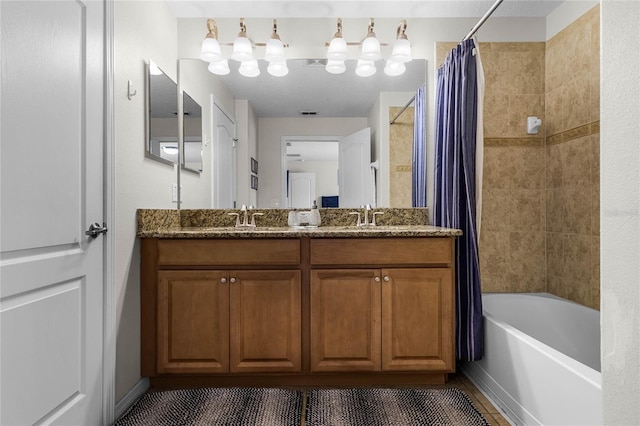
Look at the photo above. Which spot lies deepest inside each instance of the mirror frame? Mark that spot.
(148, 116)
(186, 138)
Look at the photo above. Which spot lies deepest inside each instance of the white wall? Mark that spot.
(566, 14)
(271, 131)
(143, 31)
(620, 211)
(247, 125)
(326, 176)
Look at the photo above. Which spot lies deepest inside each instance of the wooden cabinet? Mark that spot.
(297, 311)
(389, 319)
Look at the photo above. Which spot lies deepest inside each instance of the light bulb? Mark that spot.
(335, 67)
(365, 68)
(242, 49)
(210, 51)
(337, 49)
(274, 50)
(370, 49)
(394, 69)
(219, 67)
(401, 51)
(278, 68)
(249, 68)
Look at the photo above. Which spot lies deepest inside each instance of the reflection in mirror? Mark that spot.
(162, 121)
(192, 134)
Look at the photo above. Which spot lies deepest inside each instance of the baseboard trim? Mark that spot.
(126, 401)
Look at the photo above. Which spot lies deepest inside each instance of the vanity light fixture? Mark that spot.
(370, 51)
(243, 52)
(370, 45)
(210, 51)
(242, 47)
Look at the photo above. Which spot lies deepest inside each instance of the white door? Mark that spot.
(51, 298)
(224, 160)
(302, 190)
(355, 181)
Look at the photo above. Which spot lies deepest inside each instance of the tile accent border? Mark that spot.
(575, 133)
(507, 142)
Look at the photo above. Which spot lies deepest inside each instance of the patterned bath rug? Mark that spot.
(391, 407)
(215, 406)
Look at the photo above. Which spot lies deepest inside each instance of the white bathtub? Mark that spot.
(542, 359)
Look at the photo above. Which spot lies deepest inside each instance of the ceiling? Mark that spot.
(359, 8)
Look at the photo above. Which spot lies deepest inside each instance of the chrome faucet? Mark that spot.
(244, 210)
(365, 221)
(367, 209)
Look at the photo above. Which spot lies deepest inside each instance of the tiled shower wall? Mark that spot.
(572, 88)
(540, 215)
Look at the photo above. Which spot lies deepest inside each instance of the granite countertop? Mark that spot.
(213, 223)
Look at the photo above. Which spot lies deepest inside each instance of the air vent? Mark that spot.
(308, 112)
(294, 155)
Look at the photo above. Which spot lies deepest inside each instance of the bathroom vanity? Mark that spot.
(278, 306)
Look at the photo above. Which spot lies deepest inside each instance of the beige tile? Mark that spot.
(496, 73)
(495, 283)
(576, 162)
(554, 206)
(527, 210)
(577, 52)
(595, 273)
(595, 159)
(526, 73)
(528, 167)
(512, 47)
(556, 285)
(494, 253)
(498, 169)
(577, 267)
(555, 254)
(528, 283)
(553, 112)
(554, 166)
(576, 107)
(595, 209)
(527, 253)
(495, 210)
(442, 50)
(594, 98)
(521, 107)
(496, 116)
(577, 210)
(553, 65)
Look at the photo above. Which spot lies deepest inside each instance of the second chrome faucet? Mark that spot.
(244, 210)
(365, 221)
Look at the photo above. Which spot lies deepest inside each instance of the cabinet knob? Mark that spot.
(232, 280)
(377, 279)
(223, 280)
(386, 278)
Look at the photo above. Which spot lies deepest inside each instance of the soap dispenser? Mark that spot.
(314, 217)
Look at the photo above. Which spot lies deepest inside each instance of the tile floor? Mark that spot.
(491, 413)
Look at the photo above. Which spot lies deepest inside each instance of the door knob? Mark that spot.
(95, 229)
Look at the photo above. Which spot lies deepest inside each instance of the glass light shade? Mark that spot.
(274, 51)
(365, 68)
(370, 49)
(249, 68)
(401, 51)
(219, 67)
(335, 67)
(393, 68)
(278, 68)
(210, 51)
(337, 49)
(242, 50)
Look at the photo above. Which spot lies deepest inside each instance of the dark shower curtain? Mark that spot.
(455, 186)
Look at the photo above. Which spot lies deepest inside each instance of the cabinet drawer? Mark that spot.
(229, 252)
(382, 251)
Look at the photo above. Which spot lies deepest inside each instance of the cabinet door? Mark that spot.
(417, 319)
(193, 322)
(265, 321)
(345, 320)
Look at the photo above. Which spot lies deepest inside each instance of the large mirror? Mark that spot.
(192, 134)
(297, 113)
(161, 143)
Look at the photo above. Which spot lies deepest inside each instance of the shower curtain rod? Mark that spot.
(402, 110)
(483, 19)
(471, 33)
